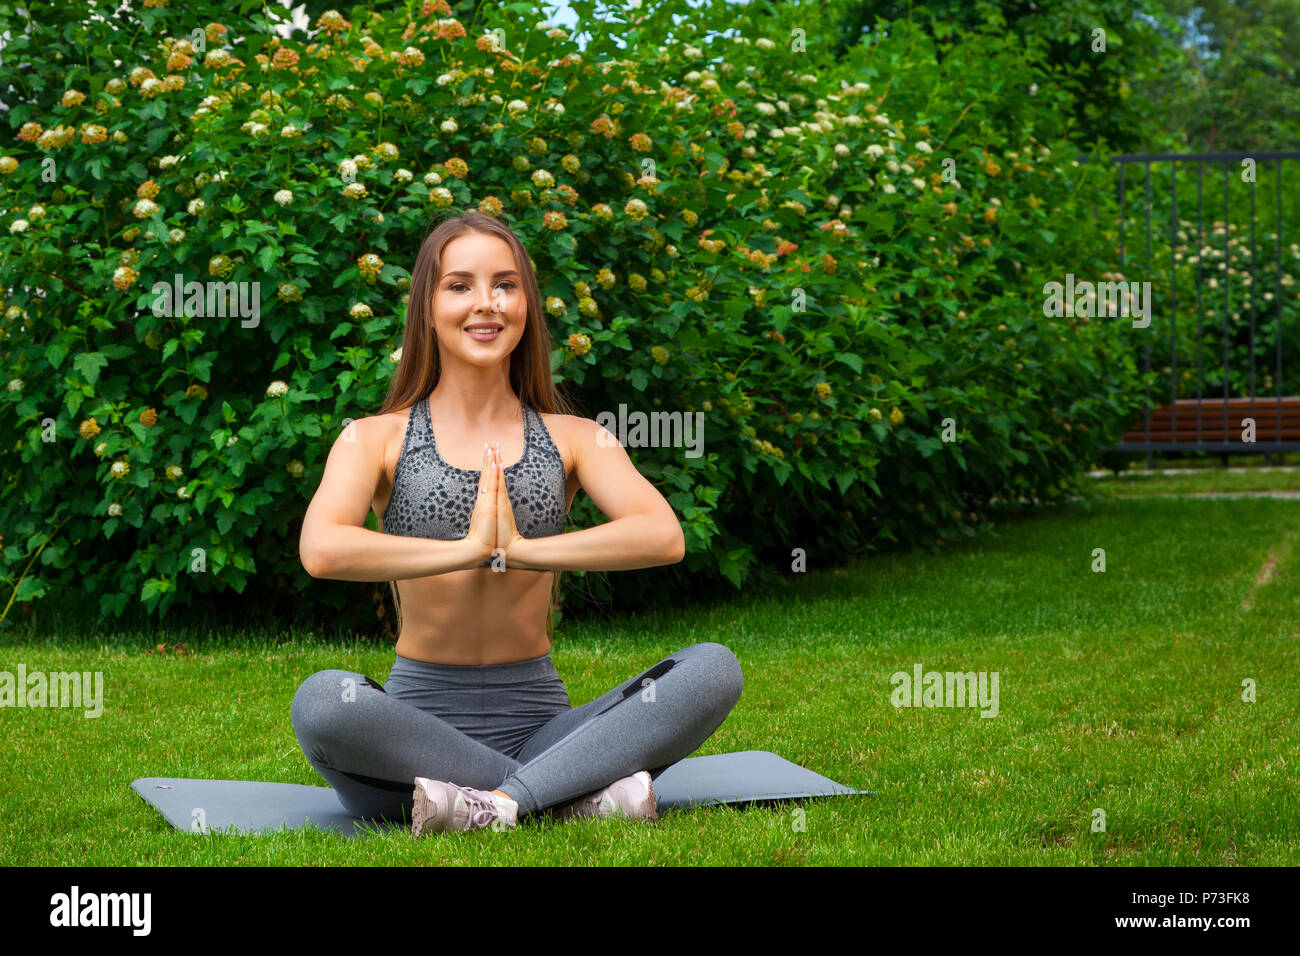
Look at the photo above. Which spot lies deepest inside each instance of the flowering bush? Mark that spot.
(830, 268)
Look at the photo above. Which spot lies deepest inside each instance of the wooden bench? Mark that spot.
(1269, 424)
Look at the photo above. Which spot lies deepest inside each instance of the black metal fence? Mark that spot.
(1205, 423)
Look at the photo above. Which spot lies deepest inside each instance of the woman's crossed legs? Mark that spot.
(370, 746)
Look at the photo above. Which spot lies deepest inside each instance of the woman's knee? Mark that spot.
(723, 667)
(320, 701)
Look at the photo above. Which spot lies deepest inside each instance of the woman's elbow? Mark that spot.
(675, 548)
(313, 559)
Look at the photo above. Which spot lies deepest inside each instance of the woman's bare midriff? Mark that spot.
(477, 615)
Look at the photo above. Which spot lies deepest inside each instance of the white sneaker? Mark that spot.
(441, 806)
(632, 797)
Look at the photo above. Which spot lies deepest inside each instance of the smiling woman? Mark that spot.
(473, 552)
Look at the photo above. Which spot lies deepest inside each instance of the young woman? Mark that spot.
(472, 467)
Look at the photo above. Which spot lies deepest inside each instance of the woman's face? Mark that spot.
(479, 286)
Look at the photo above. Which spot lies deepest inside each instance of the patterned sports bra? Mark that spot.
(432, 499)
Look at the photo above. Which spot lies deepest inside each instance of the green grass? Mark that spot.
(1209, 461)
(1118, 690)
(1144, 483)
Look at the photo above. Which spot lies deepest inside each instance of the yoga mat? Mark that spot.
(215, 806)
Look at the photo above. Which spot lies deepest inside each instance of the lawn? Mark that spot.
(1118, 691)
(1198, 482)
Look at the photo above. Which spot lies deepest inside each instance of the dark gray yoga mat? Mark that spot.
(214, 806)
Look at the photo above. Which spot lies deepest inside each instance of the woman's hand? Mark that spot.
(492, 523)
(483, 519)
(507, 534)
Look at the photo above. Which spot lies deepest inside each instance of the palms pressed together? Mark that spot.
(492, 524)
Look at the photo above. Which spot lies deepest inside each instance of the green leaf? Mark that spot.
(30, 588)
(155, 138)
(201, 366)
(89, 364)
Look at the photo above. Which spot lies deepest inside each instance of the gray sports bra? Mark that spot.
(432, 499)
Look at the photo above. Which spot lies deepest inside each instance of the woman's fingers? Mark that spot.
(499, 489)
(483, 519)
(507, 530)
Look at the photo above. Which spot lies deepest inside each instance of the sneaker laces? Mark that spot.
(482, 806)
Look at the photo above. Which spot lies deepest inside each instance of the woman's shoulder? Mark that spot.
(568, 432)
(572, 428)
(384, 424)
(383, 432)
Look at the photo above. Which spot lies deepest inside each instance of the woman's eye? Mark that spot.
(461, 285)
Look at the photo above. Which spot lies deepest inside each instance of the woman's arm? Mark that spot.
(642, 532)
(334, 542)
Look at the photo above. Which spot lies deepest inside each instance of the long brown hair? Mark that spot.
(530, 363)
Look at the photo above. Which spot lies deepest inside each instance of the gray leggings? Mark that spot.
(505, 727)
